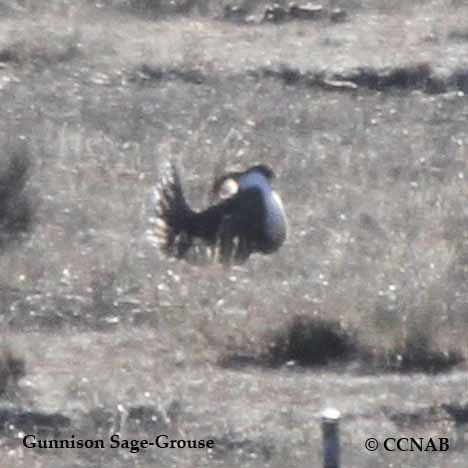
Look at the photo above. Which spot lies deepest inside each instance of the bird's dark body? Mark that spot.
(252, 220)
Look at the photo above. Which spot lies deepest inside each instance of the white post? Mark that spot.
(330, 418)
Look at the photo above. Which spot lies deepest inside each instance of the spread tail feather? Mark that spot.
(173, 214)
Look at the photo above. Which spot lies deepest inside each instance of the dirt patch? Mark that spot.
(149, 73)
(413, 77)
(16, 419)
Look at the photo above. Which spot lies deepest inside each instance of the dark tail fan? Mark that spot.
(171, 226)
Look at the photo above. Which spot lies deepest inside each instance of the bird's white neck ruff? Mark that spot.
(278, 200)
(228, 189)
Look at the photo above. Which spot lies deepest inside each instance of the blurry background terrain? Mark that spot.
(361, 110)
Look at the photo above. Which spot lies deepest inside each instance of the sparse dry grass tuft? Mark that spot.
(309, 342)
(156, 9)
(303, 341)
(36, 44)
(16, 204)
(12, 368)
(417, 353)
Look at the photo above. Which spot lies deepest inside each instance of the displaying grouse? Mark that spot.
(247, 218)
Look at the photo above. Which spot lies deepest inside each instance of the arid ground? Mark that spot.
(362, 112)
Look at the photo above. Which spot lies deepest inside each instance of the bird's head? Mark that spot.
(228, 184)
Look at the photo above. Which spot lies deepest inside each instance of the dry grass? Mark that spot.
(16, 204)
(12, 368)
(374, 270)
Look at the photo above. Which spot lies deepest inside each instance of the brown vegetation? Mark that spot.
(365, 306)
